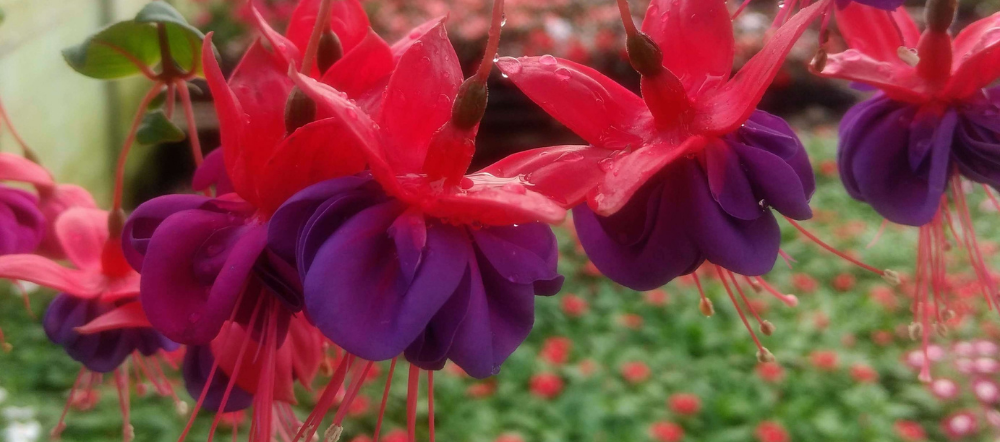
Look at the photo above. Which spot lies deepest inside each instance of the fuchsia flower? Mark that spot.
(932, 123)
(690, 171)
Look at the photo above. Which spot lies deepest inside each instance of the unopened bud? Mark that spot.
(330, 50)
(908, 56)
(767, 328)
(333, 433)
(891, 276)
(470, 104)
(300, 110)
(644, 55)
(916, 331)
(940, 14)
(706, 307)
(764, 355)
(819, 61)
(941, 330)
(116, 223)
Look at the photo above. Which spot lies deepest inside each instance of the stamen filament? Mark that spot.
(61, 425)
(789, 300)
(743, 317)
(28, 152)
(430, 405)
(411, 403)
(352, 392)
(385, 399)
(833, 250)
(878, 234)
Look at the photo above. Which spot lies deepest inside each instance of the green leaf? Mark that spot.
(125, 48)
(156, 128)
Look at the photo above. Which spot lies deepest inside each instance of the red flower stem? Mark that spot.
(385, 400)
(743, 296)
(25, 149)
(831, 249)
(630, 28)
(171, 97)
(352, 392)
(192, 128)
(58, 429)
(129, 140)
(430, 405)
(322, 19)
(697, 282)
(493, 44)
(412, 391)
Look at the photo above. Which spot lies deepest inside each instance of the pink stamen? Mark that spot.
(789, 300)
(311, 425)
(744, 297)
(697, 282)
(833, 250)
(878, 235)
(352, 392)
(121, 384)
(411, 403)
(743, 317)
(385, 399)
(61, 425)
(430, 404)
(28, 152)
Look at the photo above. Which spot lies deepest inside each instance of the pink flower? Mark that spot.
(770, 371)
(864, 373)
(635, 372)
(656, 298)
(556, 350)
(825, 360)
(944, 388)
(666, 431)
(509, 437)
(960, 425)
(770, 431)
(684, 404)
(910, 431)
(574, 306)
(546, 385)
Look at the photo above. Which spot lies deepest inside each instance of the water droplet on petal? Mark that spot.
(514, 188)
(503, 20)
(563, 74)
(548, 60)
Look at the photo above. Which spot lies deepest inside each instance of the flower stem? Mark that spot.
(493, 44)
(25, 149)
(191, 127)
(630, 28)
(129, 140)
(322, 18)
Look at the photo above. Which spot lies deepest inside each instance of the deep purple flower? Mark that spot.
(887, 5)
(22, 225)
(714, 205)
(381, 280)
(198, 256)
(898, 157)
(198, 362)
(100, 352)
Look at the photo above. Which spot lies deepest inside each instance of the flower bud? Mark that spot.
(764, 355)
(767, 328)
(644, 55)
(470, 104)
(116, 223)
(300, 110)
(940, 14)
(330, 51)
(706, 307)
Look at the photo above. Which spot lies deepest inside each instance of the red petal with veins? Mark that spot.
(231, 122)
(82, 234)
(696, 37)
(545, 171)
(129, 315)
(590, 104)
(627, 173)
(977, 57)
(723, 110)
(418, 99)
(871, 31)
(363, 69)
(17, 168)
(48, 273)
(307, 157)
(347, 19)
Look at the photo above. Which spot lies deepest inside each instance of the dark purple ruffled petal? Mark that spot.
(100, 352)
(881, 142)
(22, 224)
(212, 172)
(775, 182)
(355, 291)
(977, 144)
(523, 254)
(198, 362)
(647, 243)
(728, 182)
(888, 5)
(772, 134)
(147, 218)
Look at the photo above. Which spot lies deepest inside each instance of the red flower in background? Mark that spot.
(770, 431)
(509, 437)
(635, 372)
(556, 350)
(910, 431)
(864, 373)
(770, 371)
(826, 360)
(666, 432)
(573, 305)
(546, 385)
(684, 403)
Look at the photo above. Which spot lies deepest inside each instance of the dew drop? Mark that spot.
(503, 20)
(563, 74)
(548, 60)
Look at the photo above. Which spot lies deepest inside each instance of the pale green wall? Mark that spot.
(64, 116)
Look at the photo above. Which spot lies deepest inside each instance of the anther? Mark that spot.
(470, 104)
(330, 50)
(644, 55)
(181, 407)
(941, 330)
(916, 330)
(891, 276)
(333, 433)
(706, 307)
(764, 355)
(949, 315)
(767, 328)
(940, 14)
(300, 110)
(7, 347)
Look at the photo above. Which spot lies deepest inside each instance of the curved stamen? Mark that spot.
(385, 399)
(831, 249)
(412, 393)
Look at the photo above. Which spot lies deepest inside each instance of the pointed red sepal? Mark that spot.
(48, 273)
(875, 32)
(492, 201)
(627, 173)
(545, 170)
(978, 63)
(696, 38)
(347, 19)
(898, 81)
(82, 234)
(285, 48)
(723, 110)
(17, 168)
(362, 69)
(129, 315)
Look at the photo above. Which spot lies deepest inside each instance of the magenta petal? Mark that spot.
(144, 221)
(196, 265)
(521, 254)
(728, 182)
(212, 172)
(22, 225)
(354, 289)
(198, 362)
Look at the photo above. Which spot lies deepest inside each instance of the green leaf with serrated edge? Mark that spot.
(121, 49)
(116, 51)
(156, 128)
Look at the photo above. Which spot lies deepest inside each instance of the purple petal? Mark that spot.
(977, 146)
(198, 362)
(888, 5)
(773, 134)
(22, 224)
(144, 221)
(522, 254)
(774, 181)
(728, 182)
(212, 172)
